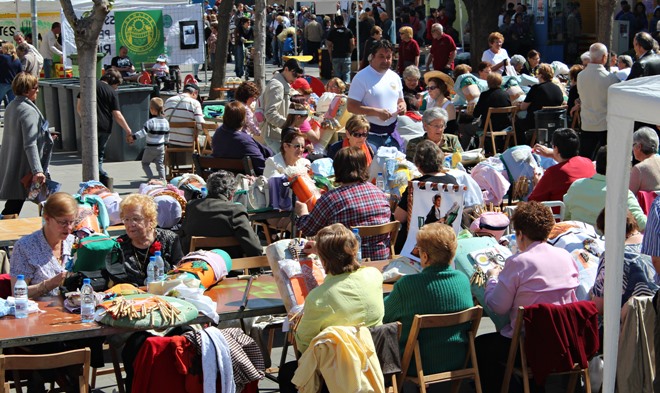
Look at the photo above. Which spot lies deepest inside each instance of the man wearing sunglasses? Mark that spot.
(377, 93)
(273, 104)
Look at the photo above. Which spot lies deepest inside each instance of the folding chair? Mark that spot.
(373, 230)
(518, 345)
(489, 132)
(171, 163)
(430, 321)
(46, 362)
(206, 148)
(206, 165)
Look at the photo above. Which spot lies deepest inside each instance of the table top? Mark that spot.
(12, 230)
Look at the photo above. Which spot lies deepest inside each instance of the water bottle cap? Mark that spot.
(356, 231)
(152, 259)
(157, 254)
(20, 277)
(86, 281)
(380, 173)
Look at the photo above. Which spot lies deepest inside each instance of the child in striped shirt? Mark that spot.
(156, 130)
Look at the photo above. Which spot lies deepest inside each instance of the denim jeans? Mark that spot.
(239, 59)
(102, 140)
(391, 140)
(48, 68)
(342, 68)
(5, 89)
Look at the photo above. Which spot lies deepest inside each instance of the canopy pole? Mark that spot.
(357, 30)
(460, 27)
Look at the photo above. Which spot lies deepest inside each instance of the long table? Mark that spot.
(56, 324)
(12, 230)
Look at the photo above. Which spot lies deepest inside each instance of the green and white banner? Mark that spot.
(142, 33)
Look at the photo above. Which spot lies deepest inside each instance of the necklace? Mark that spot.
(146, 256)
(60, 259)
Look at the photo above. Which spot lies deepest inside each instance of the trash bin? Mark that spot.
(134, 106)
(99, 65)
(67, 107)
(547, 121)
(325, 64)
(51, 102)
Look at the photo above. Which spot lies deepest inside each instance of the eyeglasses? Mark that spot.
(296, 146)
(437, 126)
(35, 88)
(431, 88)
(133, 220)
(64, 223)
(359, 134)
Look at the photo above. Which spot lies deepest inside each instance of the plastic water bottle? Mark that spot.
(21, 297)
(151, 271)
(87, 301)
(380, 181)
(356, 233)
(160, 267)
(204, 192)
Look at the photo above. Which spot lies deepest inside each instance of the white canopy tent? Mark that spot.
(627, 102)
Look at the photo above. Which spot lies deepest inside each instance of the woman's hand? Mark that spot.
(55, 282)
(310, 247)
(494, 272)
(38, 178)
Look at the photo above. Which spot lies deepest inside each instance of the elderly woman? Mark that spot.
(411, 81)
(645, 176)
(26, 145)
(357, 130)
(518, 62)
(247, 93)
(142, 239)
(438, 289)
(218, 215)
(356, 202)
(290, 155)
(337, 248)
(408, 50)
(545, 93)
(638, 270)
(533, 61)
(42, 256)
(230, 142)
(435, 120)
(495, 55)
(538, 273)
(624, 62)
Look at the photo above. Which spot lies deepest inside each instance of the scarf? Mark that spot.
(414, 115)
(364, 147)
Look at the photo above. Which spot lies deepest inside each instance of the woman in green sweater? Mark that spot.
(438, 289)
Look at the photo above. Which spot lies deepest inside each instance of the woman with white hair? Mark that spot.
(435, 121)
(518, 62)
(645, 176)
(624, 62)
(411, 81)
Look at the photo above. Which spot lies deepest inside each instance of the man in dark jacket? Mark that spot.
(648, 63)
(216, 215)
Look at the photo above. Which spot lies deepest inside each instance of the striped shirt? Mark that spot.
(651, 242)
(183, 108)
(157, 130)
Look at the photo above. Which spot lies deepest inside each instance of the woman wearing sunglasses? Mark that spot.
(290, 155)
(357, 129)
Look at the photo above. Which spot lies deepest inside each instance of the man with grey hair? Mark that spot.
(648, 63)
(19, 38)
(645, 176)
(443, 50)
(435, 121)
(592, 84)
(29, 60)
(218, 216)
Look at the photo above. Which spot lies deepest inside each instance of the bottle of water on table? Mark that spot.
(151, 272)
(87, 301)
(160, 267)
(356, 233)
(380, 181)
(21, 297)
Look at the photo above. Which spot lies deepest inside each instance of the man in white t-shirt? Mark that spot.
(377, 93)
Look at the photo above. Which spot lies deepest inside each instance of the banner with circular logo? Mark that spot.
(142, 33)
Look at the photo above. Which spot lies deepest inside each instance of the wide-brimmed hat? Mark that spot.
(161, 58)
(444, 77)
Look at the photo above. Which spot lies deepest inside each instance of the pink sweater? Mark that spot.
(540, 274)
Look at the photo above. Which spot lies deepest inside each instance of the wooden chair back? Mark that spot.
(206, 165)
(412, 348)
(490, 132)
(207, 242)
(373, 230)
(206, 148)
(518, 345)
(173, 167)
(45, 362)
(249, 263)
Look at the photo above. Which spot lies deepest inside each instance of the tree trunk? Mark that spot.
(482, 15)
(222, 46)
(605, 21)
(259, 58)
(86, 31)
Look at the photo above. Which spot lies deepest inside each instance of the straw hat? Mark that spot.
(444, 77)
